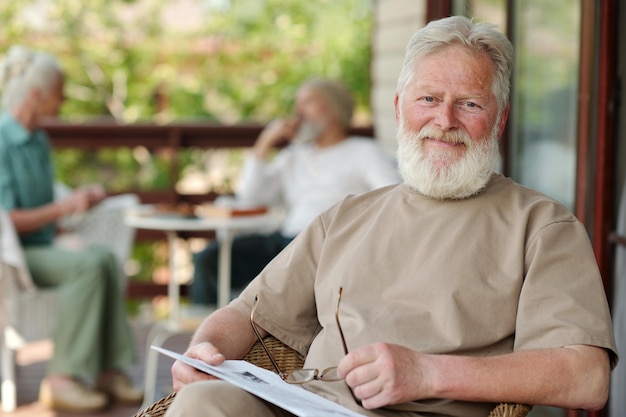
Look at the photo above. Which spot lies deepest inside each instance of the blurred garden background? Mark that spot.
(225, 62)
(217, 61)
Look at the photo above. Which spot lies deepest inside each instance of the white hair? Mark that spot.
(459, 30)
(23, 69)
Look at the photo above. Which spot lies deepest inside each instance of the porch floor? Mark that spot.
(29, 376)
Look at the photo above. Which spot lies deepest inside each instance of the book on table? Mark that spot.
(229, 210)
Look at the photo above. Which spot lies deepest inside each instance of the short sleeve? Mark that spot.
(562, 301)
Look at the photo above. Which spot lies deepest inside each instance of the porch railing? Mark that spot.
(172, 138)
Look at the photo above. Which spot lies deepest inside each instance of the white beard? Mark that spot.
(308, 132)
(438, 175)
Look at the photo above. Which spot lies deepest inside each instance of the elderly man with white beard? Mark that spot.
(459, 288)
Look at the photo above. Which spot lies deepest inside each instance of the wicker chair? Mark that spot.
(288, 359)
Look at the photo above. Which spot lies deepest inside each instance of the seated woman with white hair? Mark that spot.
(93, 341)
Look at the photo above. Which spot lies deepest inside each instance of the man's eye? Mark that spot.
(471, 106)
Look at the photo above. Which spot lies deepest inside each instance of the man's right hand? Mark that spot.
(183, 374)
(276, 133)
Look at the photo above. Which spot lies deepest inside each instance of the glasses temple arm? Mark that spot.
(343, 339)
(258, 335)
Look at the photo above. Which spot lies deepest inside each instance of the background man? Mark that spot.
(321, 165)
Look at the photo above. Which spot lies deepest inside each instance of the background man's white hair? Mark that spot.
(337, 96)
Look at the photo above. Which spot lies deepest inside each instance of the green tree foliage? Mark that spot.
(222, 61)
(215, 60)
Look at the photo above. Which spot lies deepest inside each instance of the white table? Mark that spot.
(147, 217)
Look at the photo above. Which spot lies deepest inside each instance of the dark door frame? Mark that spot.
(596, 197)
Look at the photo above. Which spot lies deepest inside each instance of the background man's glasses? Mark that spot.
(302, 376)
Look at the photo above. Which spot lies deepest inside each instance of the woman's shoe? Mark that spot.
(119, 387)
(72, 396)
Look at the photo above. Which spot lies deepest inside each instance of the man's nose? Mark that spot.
(445, 118)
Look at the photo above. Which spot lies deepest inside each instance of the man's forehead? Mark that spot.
(454, 68)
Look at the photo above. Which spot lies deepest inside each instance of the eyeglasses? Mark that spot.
(302, 376)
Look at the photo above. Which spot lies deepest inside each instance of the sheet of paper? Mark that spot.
(268, 386)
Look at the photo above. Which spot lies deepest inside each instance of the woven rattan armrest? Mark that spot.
(288, 359)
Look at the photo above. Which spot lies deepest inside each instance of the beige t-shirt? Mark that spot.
(507, 270)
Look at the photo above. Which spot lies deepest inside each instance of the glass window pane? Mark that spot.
(492, 11)
(545, 96)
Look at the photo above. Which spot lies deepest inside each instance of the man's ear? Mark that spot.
(503, 119)
(396, 107)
